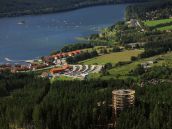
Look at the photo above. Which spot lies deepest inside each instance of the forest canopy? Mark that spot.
(31, 102)
(25, 7)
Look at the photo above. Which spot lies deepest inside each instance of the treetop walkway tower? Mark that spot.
(122, 99)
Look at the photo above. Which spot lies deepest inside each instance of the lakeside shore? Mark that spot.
(52, 10)
(53, 31)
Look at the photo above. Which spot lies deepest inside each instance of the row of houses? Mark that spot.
(66, 54)
(21, 67)
(46, 61)
(59, 58)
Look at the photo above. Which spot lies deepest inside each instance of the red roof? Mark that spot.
(57, 70)
(60, 55)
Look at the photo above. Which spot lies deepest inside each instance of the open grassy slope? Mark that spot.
(113, 57)
(157, 22)
(165, 28)
(123, 71)
(163, 24)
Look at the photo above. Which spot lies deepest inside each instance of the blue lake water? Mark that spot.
(43, 33)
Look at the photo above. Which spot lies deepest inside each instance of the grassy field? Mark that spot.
(165, 28)
(157, 22)
(113, 57)
(123, 71)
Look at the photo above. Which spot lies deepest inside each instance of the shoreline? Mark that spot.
(54, 10)
(78, 38)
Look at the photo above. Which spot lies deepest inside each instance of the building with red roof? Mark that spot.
(63, 55)
(58, 70)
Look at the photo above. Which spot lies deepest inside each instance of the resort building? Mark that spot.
(58, 70)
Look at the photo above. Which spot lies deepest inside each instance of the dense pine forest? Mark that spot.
(31, 102)
(150, 11)
(25, 7)
(18, 7)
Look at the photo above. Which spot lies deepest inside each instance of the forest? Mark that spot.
(30, 102)
(158, 47)
(76, 46)
(28, 7)
(25, 7)
(150, 11)
(81, 57)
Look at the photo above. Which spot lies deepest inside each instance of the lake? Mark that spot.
(40, 34)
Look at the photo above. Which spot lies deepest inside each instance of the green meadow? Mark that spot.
(165, 28)
(157, 22)
(113, 57)
(123, 71)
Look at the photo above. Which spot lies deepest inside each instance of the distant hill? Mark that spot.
(25, 7)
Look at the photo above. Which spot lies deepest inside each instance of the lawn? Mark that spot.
(113, 57)
(157, 22)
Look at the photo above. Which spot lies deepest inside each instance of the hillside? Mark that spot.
(134, 54)
(25, 7)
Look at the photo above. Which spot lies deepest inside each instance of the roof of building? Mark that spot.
(123, 92)
(59, 55)
(56, 70)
